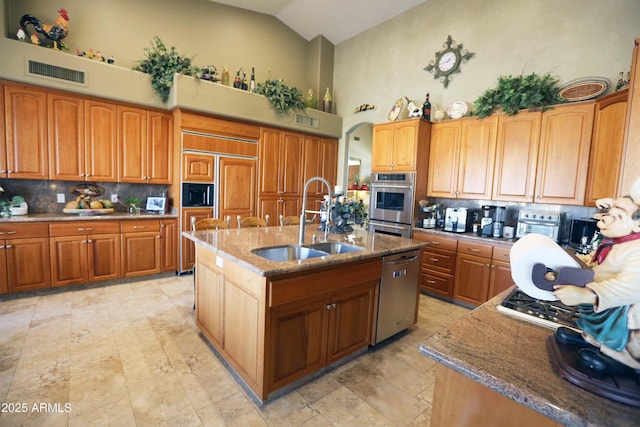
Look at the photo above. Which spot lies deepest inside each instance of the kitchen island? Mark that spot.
(494, 370)
(277, 324)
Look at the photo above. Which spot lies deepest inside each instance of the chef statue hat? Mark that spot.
(634, 193)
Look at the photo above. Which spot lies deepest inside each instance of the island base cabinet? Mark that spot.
(462, 402)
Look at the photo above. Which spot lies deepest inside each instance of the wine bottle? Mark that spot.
(426, 109)
(252, 83)
(327, 104)
(237, 83)
(245, 86)
(225, 76)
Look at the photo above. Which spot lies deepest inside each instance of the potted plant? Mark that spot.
(132, 203)
(282, 97)
(532, 92)
(15, 206)
(161, 63)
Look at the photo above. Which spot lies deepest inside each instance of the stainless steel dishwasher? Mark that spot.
(398, 293)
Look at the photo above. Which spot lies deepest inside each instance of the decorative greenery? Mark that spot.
(133, 201)
(532, 92)
(14, 202)
(282, 97)
(161, 63)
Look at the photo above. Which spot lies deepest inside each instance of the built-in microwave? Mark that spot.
(197, 195)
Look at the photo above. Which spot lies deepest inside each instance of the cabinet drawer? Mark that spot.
(501, 253)
(23, 231)
(436, 241)
(75, 228)
(137, 226)
(444, 261)
(441, 284)
(477, 249)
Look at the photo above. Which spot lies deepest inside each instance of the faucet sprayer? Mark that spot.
(304, 205)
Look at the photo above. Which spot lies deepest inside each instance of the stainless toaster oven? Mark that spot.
(540, 222)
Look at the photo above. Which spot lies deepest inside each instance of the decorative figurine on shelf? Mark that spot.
(56, 32)
(609, 306)
(414, 111)
(622, 83)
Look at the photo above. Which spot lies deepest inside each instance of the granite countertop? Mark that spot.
(508, 355)
(54, 217)
(236, 244)
(469, 236)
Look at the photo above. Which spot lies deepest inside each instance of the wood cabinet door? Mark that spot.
(3, 144)
(516, 157)
(437, 283)
(4, 279)
(140, 253)
(101, 139)
(237, 187)
(103, 257)
(477, 156)
(381, 148)
(500, 279)
(297, 340)
(563, 157)
(291, 164)
(68, 260)
(169, 236)
(290, 206)
(312, 164)
(269, 158)
(66, 137)
(26, 133)
(272, 206)
(350, 320)
(607, 144)
(329, 169)
(210, 301)
(159, 148)
(28, 264)
(405, 146)
(198, 168)
(132, 144)
(444, 156)
(188, 247)
(471, 283)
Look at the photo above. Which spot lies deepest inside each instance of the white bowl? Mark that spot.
(20, 210)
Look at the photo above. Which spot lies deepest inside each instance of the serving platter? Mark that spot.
(583, 89)
(457, 109)
(88, 211)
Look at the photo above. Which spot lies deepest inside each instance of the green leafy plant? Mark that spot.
(133, 201)
(161, 63)
(532, 92)
(282, 97)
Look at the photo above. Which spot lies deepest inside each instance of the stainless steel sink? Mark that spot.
(288, 253)
(334, 247)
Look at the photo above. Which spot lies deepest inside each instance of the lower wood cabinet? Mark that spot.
(24, 257)
(84, 252)
(188, 252)
(438, 264)
(169, 244)
(141, 242)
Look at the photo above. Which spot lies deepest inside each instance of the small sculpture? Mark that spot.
(56, 32)
(610, 304)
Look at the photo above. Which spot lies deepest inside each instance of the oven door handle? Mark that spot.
(383, 186)
(388, 225)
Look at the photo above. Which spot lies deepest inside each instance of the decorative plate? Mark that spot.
(88, 211)
(87, 190)
(457, 110)
(583, 89)
(395, 110)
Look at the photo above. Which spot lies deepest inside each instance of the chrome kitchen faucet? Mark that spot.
(303, 222)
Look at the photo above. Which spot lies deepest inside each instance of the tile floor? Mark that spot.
(131, 355)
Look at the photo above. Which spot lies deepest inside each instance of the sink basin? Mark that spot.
(334, 247)
(288, 253)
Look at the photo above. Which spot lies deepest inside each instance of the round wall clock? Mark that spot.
(448, 61)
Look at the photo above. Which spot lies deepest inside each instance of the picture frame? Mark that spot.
(156, 204)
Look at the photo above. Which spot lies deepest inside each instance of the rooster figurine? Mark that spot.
(55, 32)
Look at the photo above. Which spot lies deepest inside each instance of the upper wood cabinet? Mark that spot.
(280, 157)
(320, 159)
(399, 146)
(100, 126)
(563, 156)
(462, 158)
(25, 122)
(237, 187)
(516, 156)
(198, 168)
(145, 145)
(66, 137)
(607, 144)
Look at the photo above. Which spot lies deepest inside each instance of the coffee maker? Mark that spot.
(486, 222)
(498, 221)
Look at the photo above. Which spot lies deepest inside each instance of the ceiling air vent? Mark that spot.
(307, 121)
(55, 72)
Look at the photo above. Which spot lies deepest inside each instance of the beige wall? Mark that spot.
(570, 39)
(208, 32)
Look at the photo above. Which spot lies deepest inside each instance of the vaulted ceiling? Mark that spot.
(336, 20)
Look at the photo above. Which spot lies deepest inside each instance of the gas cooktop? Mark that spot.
(551, 314)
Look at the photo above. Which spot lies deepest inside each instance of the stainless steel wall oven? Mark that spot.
(391, 204)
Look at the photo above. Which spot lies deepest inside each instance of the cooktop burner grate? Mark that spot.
(547, 313)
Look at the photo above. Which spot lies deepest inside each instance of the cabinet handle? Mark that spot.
(140, 226)
(489, 266)
(330, 306)
(435, 243)
(473, 250)
(8, 232)
(85, 229)
(431, 282)
(1, 247)
(8, 247)
(435, 259)
(3, 171)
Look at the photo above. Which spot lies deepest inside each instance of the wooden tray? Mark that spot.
(88, 211)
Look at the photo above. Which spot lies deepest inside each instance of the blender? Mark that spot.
(498, 223)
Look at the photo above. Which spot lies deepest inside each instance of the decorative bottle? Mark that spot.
(252, 82)
(414, 111)
(327, 102)
(426, 109)
(225, 76)
(245, 85)
(237, 83)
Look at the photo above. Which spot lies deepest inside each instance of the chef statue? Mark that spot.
(609, 306)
